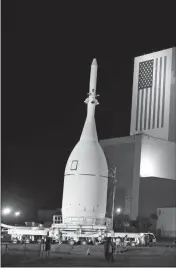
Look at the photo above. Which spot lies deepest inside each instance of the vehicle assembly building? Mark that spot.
(146, 160)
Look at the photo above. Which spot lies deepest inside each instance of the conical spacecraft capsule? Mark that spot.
(86, 173)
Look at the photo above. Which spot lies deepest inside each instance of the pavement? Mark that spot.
(68, 256)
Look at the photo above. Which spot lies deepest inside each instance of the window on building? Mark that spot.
(74, 165)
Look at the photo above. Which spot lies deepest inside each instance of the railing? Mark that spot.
(57, 219)
(84, 221)
(168, 233)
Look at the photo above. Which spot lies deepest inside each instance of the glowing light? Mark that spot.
(17, 213)
(6, 211)
(118, 210)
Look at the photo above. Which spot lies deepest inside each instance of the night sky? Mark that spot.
(47, 50)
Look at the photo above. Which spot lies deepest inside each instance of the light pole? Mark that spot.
(113, 170)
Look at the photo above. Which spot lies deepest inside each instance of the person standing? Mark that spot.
(146, 240)
(118, 244)
(48, 244)
(125, 242)
(142, 240)
(32, 238)
(136, 241)
(109, 249)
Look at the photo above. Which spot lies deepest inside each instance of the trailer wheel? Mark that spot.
(83, 242)
(71, 242)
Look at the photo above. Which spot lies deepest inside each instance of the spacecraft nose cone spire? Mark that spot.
(94, 62)
(89, 131)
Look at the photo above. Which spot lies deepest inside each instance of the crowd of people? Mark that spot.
(117, 245)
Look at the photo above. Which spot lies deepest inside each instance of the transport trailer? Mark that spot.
(77, 235)
(80, 236)
(72, 234)
(27, 234)
(92, 234)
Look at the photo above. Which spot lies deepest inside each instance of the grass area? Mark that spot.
(66, 255)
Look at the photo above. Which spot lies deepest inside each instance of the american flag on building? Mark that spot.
(151, 94)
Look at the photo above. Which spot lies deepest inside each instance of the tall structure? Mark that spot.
(86, 172)
(146, 160)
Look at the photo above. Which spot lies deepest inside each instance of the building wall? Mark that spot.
(155, 193)
(119, 152)
(136, 178)
(158, 158)
(172, 122)
(147, 97)
(167, 221)
(119, 201)
(153, 159)
(46, 215)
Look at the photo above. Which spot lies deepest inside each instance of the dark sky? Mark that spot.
(47, 49)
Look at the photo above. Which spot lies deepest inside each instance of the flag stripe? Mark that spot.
(163, 100)
(143, 103)
(146, 102)
(150, 107)
(137, 111)
(159, 93)
(142, 107)
(154, 101)
(152, 97)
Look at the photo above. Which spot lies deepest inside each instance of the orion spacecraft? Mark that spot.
(86, 173)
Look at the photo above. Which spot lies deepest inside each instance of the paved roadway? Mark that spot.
(18, 255)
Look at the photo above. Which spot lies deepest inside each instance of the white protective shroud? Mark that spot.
(86, 172)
